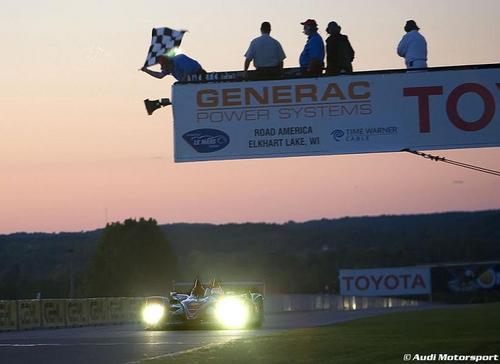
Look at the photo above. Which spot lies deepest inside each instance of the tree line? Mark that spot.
(140, 257)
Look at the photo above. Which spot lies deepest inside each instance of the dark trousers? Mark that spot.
(332, 70)
(315, 70)
(267, 73)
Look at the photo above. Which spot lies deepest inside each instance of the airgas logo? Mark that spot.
(206, 140)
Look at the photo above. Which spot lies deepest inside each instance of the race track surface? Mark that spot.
(129, 343)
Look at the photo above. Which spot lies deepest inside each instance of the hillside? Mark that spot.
(293, 257)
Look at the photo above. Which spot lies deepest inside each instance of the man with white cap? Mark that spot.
(413, 46)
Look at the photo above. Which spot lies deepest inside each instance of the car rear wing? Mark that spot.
(232, 286)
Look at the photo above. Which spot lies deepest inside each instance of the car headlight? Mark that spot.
(232, 312)
(153, 313)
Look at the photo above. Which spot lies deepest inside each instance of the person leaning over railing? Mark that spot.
(179, 66)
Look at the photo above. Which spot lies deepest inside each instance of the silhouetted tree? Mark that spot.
(132, 258)
(11, 283)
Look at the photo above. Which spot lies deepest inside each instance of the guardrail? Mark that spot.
(58, 313)
(310, 302)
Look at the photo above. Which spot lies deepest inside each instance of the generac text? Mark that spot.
(282, 94)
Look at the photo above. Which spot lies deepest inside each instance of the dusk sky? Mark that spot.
(78, 149)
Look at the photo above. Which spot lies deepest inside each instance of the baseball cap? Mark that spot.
(310, 22)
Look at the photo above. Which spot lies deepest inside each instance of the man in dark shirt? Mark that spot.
(339, 52)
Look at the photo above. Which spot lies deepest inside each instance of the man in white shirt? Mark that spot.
(413, 46)
(266, 53)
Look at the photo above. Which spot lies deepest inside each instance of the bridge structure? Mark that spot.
(233, 115)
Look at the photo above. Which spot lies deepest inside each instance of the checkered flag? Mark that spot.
(162, 40)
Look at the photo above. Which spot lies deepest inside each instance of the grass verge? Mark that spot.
(385, 339)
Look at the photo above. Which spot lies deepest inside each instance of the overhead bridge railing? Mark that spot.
(296, 72)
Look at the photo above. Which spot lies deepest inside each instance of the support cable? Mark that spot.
(455, 163)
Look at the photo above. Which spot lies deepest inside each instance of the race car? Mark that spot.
(209, 307)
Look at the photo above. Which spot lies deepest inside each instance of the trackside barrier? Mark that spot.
(29, 314)
(77, 312)
(117, 310)
(98, 311)
(340, 303)
(53, 313)
(287, 304)
(8, 315)
(305, 302)
(133, 308)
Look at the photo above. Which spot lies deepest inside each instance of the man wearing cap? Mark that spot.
(312, 57)
(413, 46)
(179, 66)
(267, 55)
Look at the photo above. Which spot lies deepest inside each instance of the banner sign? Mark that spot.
(133, 308)
(117, 309)
(401, 281)
(28, 312)
(53, 313)
(467, 278)
(98, 311)
(359, 113)
(8, 315)
(77, 312)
